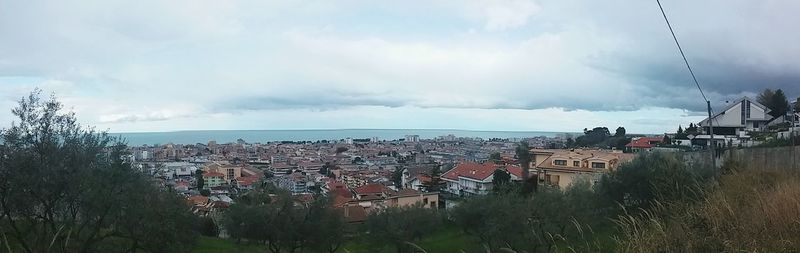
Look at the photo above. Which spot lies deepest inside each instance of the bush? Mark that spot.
(653, 177)
(750, 211)
(207, 227)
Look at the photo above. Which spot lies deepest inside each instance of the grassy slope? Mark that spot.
(449, 240)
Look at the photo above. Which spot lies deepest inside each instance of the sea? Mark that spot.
(263, 136)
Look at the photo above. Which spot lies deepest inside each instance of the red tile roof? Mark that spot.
(424, 178)
(371, 189)
(514, 170)
(247, 180)
(475, 171)
(197, 200)
(644, 142)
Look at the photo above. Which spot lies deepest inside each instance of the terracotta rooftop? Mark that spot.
(371, 189)
(475, 171)
(644, 142)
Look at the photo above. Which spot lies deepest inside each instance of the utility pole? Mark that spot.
(711, 140)
(792, 138)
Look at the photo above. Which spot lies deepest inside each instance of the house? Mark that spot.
(410, 197)
(296, 183)
(371, 192)
(229, 172)
(563, 167)
(247, 183)
(418, 183)
(213, 179)
(640, 144)
(734, 122)
(468, 179)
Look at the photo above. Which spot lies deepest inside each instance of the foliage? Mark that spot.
(207, 227)
(774, 100)
(397, 177)
(64, 188)
(523, 152)
(198, 174)
(601, 137)
(340, 150)
(274, 220)
(500, 178)
(620, 132)
(651, 177)
(530, 224)
(750, 210)
(593, 136)
(436, 182)
(399, 225)
(495, 157)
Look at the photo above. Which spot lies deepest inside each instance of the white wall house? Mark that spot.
(738, 118)
(469, 179)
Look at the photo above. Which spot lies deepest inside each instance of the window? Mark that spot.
(560, 162)
(743, 115)
(748, 109)
(553, 179)
(576, 163)
(425, 200)
(755, 124)
(596, 165)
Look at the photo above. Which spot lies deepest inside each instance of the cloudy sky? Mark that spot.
(547, 65)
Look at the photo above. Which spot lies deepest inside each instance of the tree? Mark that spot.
(64, 188)
(593, 137)
(198, 174)
(340, 150)
(538, 223)
(523, 153)
(436, 182)
(495, 157)
(325, 169)
(272, 219)
(397, 177)
(207, 227)
(774, 100)
(620, 132)
(400, 226)
(500, 178)
(652, 177)
(692, 129)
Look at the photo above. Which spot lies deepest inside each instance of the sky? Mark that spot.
(511, 65)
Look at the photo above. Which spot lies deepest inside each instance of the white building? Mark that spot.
(735, 121)
(467, 179)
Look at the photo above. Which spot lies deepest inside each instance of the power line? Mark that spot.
(711, 145)
(681, 50)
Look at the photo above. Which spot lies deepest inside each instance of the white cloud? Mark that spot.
(180, 64)
(499, 15)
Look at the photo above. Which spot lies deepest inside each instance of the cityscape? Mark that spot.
(475, 126)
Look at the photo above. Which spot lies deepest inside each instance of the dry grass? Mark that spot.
(749, 211)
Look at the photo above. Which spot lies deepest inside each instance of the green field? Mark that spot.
(445, 241)
(449, 240)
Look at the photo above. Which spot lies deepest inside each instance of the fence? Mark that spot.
(767, 158)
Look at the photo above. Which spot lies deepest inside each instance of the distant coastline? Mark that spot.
(262, 136)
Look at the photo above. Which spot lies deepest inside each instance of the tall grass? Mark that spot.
(749, 210)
